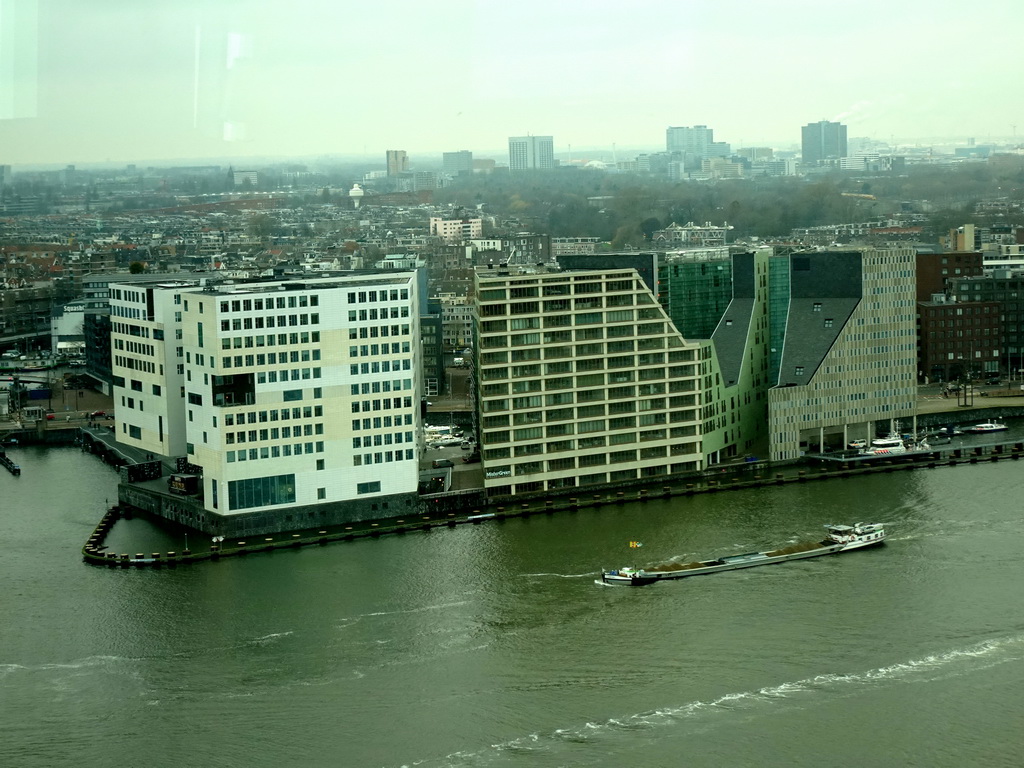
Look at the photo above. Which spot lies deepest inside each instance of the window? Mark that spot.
(373, 487)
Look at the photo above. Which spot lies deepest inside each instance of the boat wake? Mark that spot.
(562, 575)
(347, 621)
(271, 638)
(555, 744)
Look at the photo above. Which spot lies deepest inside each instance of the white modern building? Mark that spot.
(296, 400)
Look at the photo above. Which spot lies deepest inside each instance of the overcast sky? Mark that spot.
(125, 81)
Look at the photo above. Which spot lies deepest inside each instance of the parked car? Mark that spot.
(857, 444)
(443, 463)
(473, 458)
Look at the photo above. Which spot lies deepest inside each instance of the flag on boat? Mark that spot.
(635, 544)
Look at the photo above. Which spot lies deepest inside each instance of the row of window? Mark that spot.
(578, 383)
(379, 405)
(130, 329)
(273, 433)
(361, 297)
(384, 366)
(252, 361)
(599, 441)
(262, 417)
(598, 478)
(122, 294)
(379, 422)
(281, 339)
(134, 347)
(579, 284)
(129, 312)
(383, 457)
(623, 375)
(269, 321)
(293, 374)
(362, 315)
(591, 460)
(589, 426)
(379, 331)
(376, 387)
(274, 452)
(282, 302)
(568, 398)
(491, 359)
(387, 438)
(134, 365)
(368, 350)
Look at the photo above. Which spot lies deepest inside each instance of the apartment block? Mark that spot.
(456, 230)
(297, 401)
(531, 153)
(582, 381)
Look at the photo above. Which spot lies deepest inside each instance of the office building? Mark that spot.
(694, 145)
(296, 401)
(531, 153)
(848, 354)
(582, 382)
(454, 163)
(822, 141)
(397, 161)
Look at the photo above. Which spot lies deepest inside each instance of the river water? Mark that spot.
(492, 645)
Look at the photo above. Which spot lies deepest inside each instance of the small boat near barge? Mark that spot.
(839, 538)
(985, 428)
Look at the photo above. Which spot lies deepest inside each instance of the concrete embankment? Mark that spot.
(96, 552)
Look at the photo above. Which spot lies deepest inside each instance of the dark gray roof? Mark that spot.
(825, 289)
(730, 338)
(812, 328)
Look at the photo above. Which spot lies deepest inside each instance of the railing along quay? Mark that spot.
(95, 550)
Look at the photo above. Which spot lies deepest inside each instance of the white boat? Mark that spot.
(884, 446)
(840, 538)
(988, 426)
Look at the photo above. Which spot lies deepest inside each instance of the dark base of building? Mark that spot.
(189, 512)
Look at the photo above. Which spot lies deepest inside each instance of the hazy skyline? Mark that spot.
(120, 81)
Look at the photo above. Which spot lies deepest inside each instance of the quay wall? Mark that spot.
(189, 511)
(94, 551)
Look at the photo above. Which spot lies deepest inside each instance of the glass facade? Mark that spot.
(261, 492)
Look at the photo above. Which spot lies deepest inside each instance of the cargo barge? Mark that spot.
(839, 538)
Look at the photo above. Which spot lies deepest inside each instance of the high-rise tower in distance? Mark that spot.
(398, 161)
(823, 140)
(531, 153)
